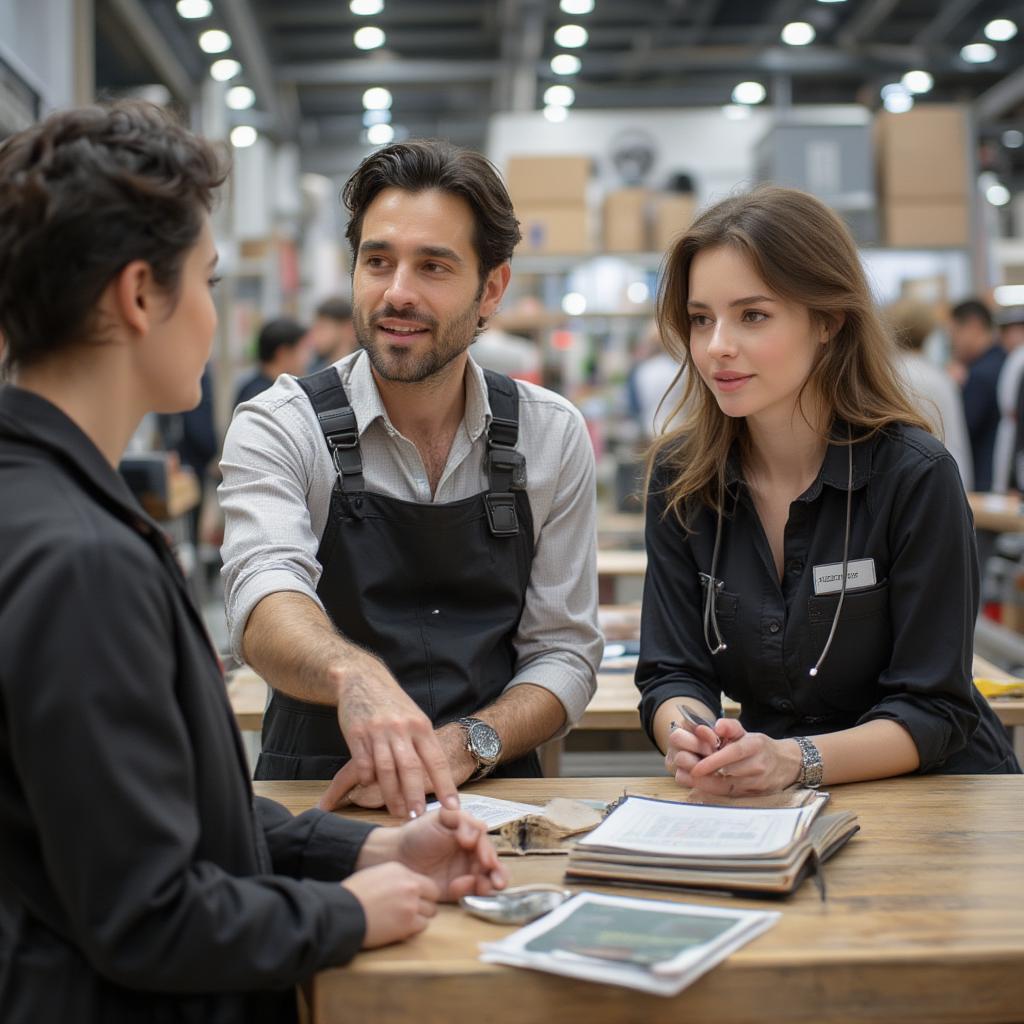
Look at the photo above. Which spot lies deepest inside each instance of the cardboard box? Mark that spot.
(548, 179)
(911, 223)
(626, 218)
(924, 154)
(672, 214)
(562, 229)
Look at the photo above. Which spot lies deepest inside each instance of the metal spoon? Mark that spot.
(517, 905)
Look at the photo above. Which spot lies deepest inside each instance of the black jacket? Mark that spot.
(903, 646)
(139, 879)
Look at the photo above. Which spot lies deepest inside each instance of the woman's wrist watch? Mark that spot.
(812, 771)
(484, 743)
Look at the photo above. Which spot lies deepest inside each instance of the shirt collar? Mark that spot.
(29, 417)
(835, 468)
(368, 406)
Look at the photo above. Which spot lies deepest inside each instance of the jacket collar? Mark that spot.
(31, 419)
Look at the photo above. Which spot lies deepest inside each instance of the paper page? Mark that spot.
(491, 811)
(656, 826)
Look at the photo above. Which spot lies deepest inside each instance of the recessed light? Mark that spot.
(213, 40)
(377, 98)
(1000, 30)
(917, 82)
(366, 7)
(225, 69)
(566, 64)
(243, 135)
(577, 6)
(556, 115)
(571, 36)
(559, 96)
(240, 97)
(368, 37)
(798, 33)
(380, 134)
(749, 92)
(978, 53)
(195, 8)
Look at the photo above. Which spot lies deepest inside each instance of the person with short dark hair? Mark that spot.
(282, 346)
(332, 333)
(419, 584)
(977, 350)
(139, 877)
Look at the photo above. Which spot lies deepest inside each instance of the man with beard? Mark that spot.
(409, 540)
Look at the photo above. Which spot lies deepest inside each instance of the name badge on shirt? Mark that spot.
(828, 579)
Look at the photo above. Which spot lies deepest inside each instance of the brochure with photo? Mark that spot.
(653, 945)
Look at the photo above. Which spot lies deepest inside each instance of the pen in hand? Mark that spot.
(694, 720)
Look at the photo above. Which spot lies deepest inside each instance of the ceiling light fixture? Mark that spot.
(577, 6)
(978, 53)
(898, 102)
(574, 304)
(556, 115)
(572, 37)
(566, 64)
(240, 97)
(749, 92)
(798, 33)
(366, 8)
(917, 82)
(997, 194)
(1009, 294)
(213, 40)
(1000, 30)
(1013, 139)
(368, 38)
(559, 96)
(380, 134)
(243, 135)
(377, 98)
(195, 8)
(225, 69)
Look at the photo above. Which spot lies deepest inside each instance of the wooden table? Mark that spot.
(999, 513)
(924, 923)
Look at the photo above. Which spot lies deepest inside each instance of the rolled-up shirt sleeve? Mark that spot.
(674, 660)
(558, 643)
(269, 543)
(933, 595)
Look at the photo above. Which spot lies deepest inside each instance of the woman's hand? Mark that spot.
(746, 763)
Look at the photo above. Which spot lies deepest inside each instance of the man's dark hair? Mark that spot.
(82, 194)
(283, 332)
(425, 164)
(335, 308)
(972, 309)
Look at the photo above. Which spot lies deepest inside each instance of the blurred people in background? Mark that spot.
(495, 349)
(980, 358)
(332, 333)
(1011, 338)
(652, 387)
(283, 346)
(931, 389)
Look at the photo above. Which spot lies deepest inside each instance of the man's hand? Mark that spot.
(396, 902)
(345, 788)
(392, 742)
(450, 847)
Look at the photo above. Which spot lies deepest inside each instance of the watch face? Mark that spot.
(485, 742)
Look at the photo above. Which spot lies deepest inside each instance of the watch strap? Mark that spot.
(812, 770)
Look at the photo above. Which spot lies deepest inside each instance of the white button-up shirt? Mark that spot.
(276, 492)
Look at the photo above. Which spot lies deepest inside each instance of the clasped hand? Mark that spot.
(404, 872)
(729, 761)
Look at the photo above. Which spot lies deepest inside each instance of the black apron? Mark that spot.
(435, 590)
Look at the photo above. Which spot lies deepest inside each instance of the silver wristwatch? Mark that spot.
(812, 771)
(483, 743)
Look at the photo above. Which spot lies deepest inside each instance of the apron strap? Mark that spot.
(505, 466)
(338, 422)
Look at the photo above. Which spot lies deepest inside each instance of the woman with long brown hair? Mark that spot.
(811, 552)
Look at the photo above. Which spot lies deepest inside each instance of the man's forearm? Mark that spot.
(524, 716)
(293, 645)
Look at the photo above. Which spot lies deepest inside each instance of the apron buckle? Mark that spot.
(501, 513)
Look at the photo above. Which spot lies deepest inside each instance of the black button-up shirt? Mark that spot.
(903, 646)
